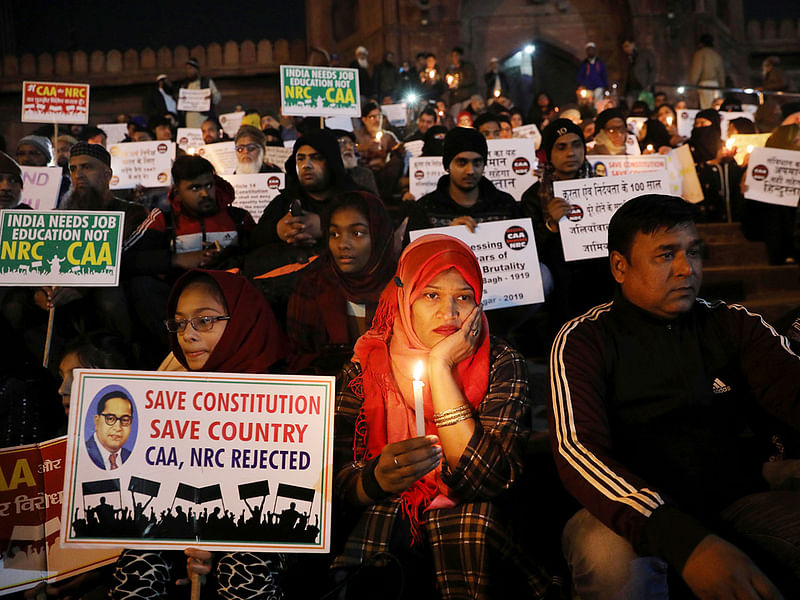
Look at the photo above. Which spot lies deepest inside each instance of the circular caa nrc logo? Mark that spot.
(273, 183)
(521, 165)
(162, 177)
(760, 172)
(516, 237)
(161, 148)
(114, 180)
(575, 213)
(419, 174)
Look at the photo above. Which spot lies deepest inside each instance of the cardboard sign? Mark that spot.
(506, 251)
(141, 163)
(40, 186)
(277, 155)
(683, 175)
(220, 461)
(686, 121)
(773, 176)
(194, 100)
(115, 132)
(608, 165)
(31, 500)
(727, 117)
(344, 123)
(222, 155)
(632, 146)
(635, 124)
(584, 231)
(55, 102)
(530, 132)
(397, 114)
(254, 192)
(75, 248)
(231, 122)
(319, 92)
(189, 137)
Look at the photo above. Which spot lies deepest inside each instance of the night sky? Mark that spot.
(49, 26)
(771, 9)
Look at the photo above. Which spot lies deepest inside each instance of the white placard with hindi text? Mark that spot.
(198, 451)
(277, 155)
(584, 231)
(727, 117)
(414, 148)
(194, 100)
(686, 121)
(231, 122)
(397, 114)
(530, 132)
(189, 137)
(115, 132)
(511, 165)
(222, 155)
(506, 252)
(148, 164)
(773, 176)
(253, 192)
(423, 175)
(40, 186)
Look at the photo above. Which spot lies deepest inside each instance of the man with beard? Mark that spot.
(425, 120)
(200, 228)
(212, 131)
(362, 176)
(289, 234)
(162, 99)
(10, 183)
(250, 146)
(463, 196)
(194, 81)
(64, 144)
(361, 62)
(90, 168)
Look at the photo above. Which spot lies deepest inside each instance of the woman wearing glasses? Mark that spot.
(218, 322)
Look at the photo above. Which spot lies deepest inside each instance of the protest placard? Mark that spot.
(511, 167)
(75, 248)
(198, 459)
(194, 100)
(147, 164)
(55, 102)
(683, 179)
(632, 146)
(30, 517)
(31, 495)
(343, 123)
(530, 132)
(277, 155)
(253, 192)
(423, 174)
(686, 121)
(397, 114)
(745, 143)
(773, 176)
(506, 252)
(40, 186)
(319, 91)
(231, 122)
(414, 147)
(727, 117)
(189, 137)
(635, 124)
(584, 230)
(115, 132)
(222, 155)
(611, 165)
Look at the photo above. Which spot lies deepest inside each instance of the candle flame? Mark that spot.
(729, 144)
(750, 148)
(650, 147)
(190, 151)
(669, 120)
(418, 370)
(378, 136)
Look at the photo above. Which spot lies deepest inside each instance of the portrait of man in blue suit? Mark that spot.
(112, 427)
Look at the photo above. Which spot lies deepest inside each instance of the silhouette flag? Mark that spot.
(296, 492)
(101, 486)
(144, 486)
(254, 489)
(198, 495)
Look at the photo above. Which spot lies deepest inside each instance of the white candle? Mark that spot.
(419, 408)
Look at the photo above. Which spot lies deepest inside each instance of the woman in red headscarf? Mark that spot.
(218, 321)
(435, 489)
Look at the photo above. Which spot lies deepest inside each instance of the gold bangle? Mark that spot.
(452, 415)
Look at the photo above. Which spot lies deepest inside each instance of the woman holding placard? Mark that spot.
(431, 418)
(218, 321)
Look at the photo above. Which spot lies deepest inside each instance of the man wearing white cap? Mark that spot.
(195, 81)
(592, 73)
(361, 62)
(162, 99)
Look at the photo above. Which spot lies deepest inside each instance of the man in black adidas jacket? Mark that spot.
(664, 411)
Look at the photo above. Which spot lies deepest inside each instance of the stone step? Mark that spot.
(734, 253)
(751, 280)
(720, 232)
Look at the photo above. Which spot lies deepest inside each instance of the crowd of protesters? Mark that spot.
(325, 249)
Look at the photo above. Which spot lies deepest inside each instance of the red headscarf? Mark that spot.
(388, 409)
(252, 340)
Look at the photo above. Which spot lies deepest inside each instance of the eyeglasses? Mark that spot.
(198, 323)
(247, 148)
(111, 419)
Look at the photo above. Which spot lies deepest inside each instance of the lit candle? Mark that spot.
(729, 144)
(497, 93)
(419, 409)
(650, 148)
(449, 80)
(750, 149)
(431, 74)
(669, 120)
(378, 136)
(190, 151)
